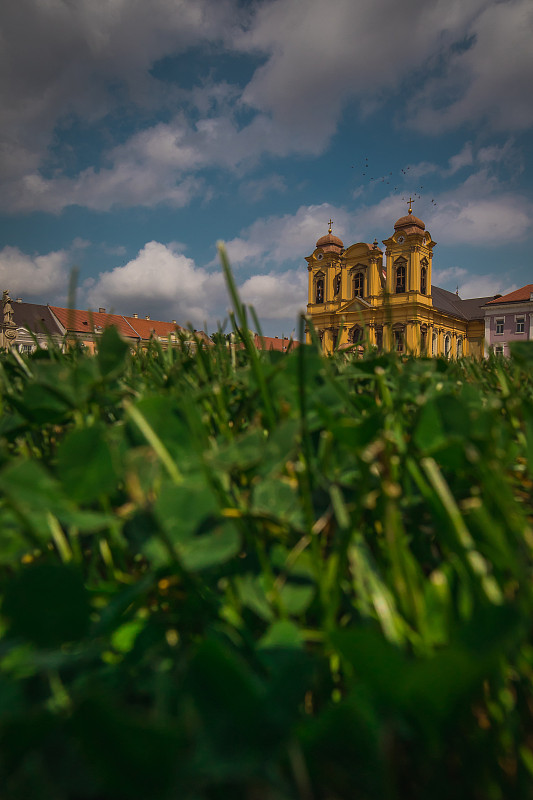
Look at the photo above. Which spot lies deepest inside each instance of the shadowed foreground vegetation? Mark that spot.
(265, 576)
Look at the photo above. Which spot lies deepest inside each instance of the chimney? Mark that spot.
(135, 316)
(147, 316)
(19, 300)
(101, 310)
(174, 322)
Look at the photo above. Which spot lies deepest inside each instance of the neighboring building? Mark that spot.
(87, 326)
(36, 326)
(353, 299)
(509, 319)
(30, 325)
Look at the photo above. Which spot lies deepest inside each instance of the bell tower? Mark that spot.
(325, 272)
(409, 254)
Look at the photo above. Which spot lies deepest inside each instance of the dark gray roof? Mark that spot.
(473, 308)
(446, 301)
(451, 303)
(35, 317)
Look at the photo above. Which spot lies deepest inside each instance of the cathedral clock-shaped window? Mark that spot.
(358, 284)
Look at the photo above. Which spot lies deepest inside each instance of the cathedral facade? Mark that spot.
(356, 299)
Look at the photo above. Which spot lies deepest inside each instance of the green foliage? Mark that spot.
(226, 573)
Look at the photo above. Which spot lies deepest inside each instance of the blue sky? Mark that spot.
(135, 134)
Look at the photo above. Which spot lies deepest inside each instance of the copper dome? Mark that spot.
(330, 242)
(410, 221)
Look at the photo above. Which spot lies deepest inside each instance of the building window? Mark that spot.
(460, 347)
(319, 296)
(499, 349)
(423, 280)
(358, 284)
(499, 326)
(398, 340)
(357, 335)
(337, 284)
(334, 338)
(400, 279)
(434, 345)
(520, 324)
(379, 338)
(447, 345)
(423, 339)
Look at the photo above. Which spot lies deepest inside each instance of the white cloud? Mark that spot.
(289, 237)
(161, 282)
(489, 78)
(61, 60)
(480, 211)
(256, 190)
(277, 295)
(485, 285)
(34, 277)
(80, 62)
(463, 159)
(164, 283)
(469, 285)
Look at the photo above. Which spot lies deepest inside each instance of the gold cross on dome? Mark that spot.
(330, 224)
(410, 201)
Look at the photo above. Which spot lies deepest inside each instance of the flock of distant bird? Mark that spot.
(387, 180)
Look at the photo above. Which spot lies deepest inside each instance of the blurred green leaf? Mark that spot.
(47, 604)
(85, 465)
(112, 351)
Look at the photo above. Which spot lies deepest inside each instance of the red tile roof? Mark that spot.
(146, 328)
(130, 327)
(78, 321)
(274, 343)
(519, 295)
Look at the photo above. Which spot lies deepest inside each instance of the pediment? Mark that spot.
(355, 304)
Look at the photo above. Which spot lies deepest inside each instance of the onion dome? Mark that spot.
(410, 224)
(330, 243)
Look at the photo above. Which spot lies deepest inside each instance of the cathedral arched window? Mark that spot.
(358, 284)
(447, 345)
(399, 339)
(338, 284)
(356, 334)
(319, 291)
(379, 338)
(434, 345)
(423, 339)
(423, 280)
(400, 278)
(460, 347)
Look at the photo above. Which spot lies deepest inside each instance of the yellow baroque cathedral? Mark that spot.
(355, 299)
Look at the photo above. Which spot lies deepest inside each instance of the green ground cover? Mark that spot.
(265, 576)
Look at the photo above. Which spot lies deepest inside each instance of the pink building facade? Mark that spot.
(509, 319)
